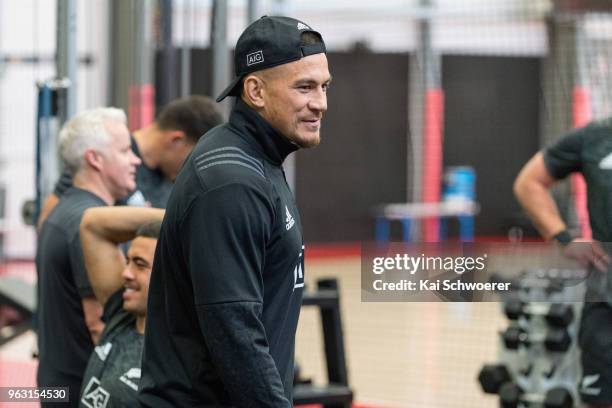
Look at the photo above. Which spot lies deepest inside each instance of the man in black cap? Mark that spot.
(228, 276)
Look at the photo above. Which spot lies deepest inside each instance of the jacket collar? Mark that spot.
(250, 125)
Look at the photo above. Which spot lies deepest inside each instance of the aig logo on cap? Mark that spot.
(254, 58)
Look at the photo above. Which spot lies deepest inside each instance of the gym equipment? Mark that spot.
(297, 375)
(52, 113)
(511, 395)
(557, 340)
(28, 212)
(556, 314)
(336, 394)
(492, 377)
(20, 296)
(547, 372)
(409, 213)
(538, 346)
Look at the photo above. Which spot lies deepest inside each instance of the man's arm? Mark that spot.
(102, 229)
(532, 190)
(63, 184)
(92, 309)
(46, 209)
(225, 236)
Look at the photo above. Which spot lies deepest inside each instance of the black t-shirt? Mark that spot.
(228, 276)
(152, 188)
(64, 341)
(588, 150)
(113, 371)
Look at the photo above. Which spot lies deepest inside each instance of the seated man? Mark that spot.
(113, 371)
(95, 145)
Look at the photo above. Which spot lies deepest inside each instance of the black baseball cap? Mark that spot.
(266, 43)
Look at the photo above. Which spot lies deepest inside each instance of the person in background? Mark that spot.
(95, 146)
(162, 147)
(588, 151)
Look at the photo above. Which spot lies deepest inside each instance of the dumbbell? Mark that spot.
(511, 395)
(553, 340)
(556, 314)
(547, 371)
(492, 377)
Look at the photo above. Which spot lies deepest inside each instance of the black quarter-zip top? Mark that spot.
(228, 276)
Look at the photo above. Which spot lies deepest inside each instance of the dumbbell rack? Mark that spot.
(537, 368)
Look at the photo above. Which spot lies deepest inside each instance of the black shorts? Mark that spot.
(595, 340)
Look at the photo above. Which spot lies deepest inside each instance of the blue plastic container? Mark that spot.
(459, 184)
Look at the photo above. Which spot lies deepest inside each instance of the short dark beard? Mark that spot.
(309, 143)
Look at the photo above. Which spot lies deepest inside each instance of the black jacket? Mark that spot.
(227, 280)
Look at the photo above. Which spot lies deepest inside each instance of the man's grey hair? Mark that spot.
(87, 130)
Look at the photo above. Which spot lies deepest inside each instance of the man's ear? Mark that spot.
(93, 158)
(253, 90)
(176, 136)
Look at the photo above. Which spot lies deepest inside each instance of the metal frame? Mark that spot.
(337, 393)
(220, 51)
(67, 54)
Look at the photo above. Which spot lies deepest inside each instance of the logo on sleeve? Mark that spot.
(131, 378)
(289, 221)
(302, 26)
(103, 350)
(255, 58)
(606, 162)
(95, 396)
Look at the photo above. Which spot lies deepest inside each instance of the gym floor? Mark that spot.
(402, 354)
